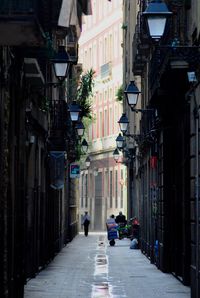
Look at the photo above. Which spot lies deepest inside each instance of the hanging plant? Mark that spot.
(124, 26)
(84, 93)
(120, 93)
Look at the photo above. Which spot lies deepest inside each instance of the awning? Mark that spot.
(65, 13)
(69, 15)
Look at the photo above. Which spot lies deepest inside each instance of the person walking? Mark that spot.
(86, 223)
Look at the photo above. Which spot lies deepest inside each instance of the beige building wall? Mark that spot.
(100, 48)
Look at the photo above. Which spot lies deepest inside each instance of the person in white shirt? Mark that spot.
(111, 219)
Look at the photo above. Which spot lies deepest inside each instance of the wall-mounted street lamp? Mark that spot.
(132, 93)
(156, 15)
(181, 55)
(120, 141)
(128, 153)
(84, 146)
(87, 161)
(116, 156)
(74, 110)
(80, 128)
(61, 63)
(123, 123)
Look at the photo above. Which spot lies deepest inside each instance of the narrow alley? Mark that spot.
(89, 267)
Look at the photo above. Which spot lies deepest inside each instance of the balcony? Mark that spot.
(140, 47)
(169, 58)
(33, 73)
(23, 22)
(72, 44)
(58, 125)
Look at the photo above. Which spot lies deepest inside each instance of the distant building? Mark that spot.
(103, 184)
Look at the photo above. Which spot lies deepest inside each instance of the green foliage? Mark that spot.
(78, 152)
(84, 93)
(120, 93)
(44, 104)
(124, 26)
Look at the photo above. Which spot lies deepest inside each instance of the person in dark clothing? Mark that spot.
(120, 218)
(86, 222)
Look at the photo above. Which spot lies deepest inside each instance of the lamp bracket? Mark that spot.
(128, 135)
(141, 110)
(54, 84)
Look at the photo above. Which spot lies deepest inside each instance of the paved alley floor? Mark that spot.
(89, 267)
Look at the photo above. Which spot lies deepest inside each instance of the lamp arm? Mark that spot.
(141, 110)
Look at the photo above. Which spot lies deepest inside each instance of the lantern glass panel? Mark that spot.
(132, 98)
(60, 69)
(156, 25)
(74, 115)
(123, 126)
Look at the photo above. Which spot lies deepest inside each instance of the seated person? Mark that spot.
(121, 218)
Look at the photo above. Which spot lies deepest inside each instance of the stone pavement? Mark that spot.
(89, 267)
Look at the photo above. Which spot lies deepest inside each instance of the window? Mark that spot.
(116, 189)
(82, 190)
(100, 124)
(106, 184)
(110, 47)
(105, 57)
(94, 11)
(91, 190)
(105, 95)
(120, 40)
(105, 123)
(94, 66)
(116, 120)
(122, 186)
(110, 94)
(115, 44)
(86, 59)
(100, 98)
(110, 121)
(100, 53)
(90, 62)
(94, 127)
(86, 191)
(111, 194)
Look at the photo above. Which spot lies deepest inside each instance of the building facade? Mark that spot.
(103, 184)
(36, 219)
(166, 170)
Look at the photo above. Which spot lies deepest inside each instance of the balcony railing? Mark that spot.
(24, 22)
(140, 46)
(58, 115)
(105, 70)
(182, 57)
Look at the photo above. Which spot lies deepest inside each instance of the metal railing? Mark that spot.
(105, 70)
